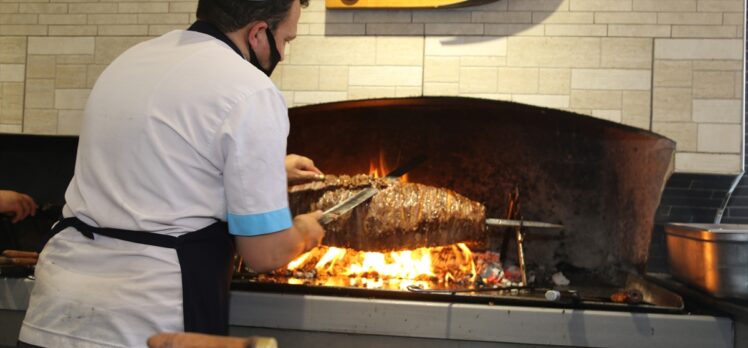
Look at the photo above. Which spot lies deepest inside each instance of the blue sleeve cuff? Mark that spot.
(259, 224)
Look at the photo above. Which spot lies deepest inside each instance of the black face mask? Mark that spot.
(275, 56)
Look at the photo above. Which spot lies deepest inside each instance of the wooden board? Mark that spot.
(401, 4)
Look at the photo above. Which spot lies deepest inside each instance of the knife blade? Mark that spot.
(347, 204)
(401, 170)
(521, 223)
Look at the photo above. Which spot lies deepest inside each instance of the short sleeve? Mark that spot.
(253, 144)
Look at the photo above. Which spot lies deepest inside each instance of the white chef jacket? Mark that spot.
(178, 131)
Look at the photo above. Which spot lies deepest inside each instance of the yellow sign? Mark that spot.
(401, 4)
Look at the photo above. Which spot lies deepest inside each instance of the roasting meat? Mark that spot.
(401, 216)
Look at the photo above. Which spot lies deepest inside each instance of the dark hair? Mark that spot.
(231, 15)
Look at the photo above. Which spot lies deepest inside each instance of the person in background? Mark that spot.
(17, 206)
(181, 161)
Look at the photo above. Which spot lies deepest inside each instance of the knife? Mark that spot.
(521, 223)
(347, 204)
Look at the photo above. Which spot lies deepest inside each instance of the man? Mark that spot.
(179, 132)
(16, 205)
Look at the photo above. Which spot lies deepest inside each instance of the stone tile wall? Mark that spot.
(671, 66)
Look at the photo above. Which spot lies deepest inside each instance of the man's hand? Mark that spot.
(300, 169)
(312, 232)
(17, 205)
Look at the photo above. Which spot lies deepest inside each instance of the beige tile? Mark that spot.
(61, 45)
(75, 19)
(704, 31)
(23, 30)
(71, 98)
(721, 138)
(488, 61)
(304, 98)
(465, 46)
(12, 72)
(713, 84)
(72, 30)
(626, 17)
(300, 77)
(717, 111)
(513, 30)
(626, 53)
(93, 7)
(28, 7)
(440, 16)
(665, 5)
(384, 76)
(683, 133)
(582, 30)
(478, 80)
(638, 30)
(673, 73)
(720, 6)
(408, 91)
(501, 17)
(454, 29)
(588, 99)
(698, 49)
(40, 93)
(399, 51)
(11, 128)
(41, 66)
(739, 84)
(313, 50)
(732, 65)
(108, 48)
(671, 104)
(543, 100)
(396, 29)
(333, 78)
(689, 18)
(337, 29)
(19, 18)
(600, 5)
(489, 96)
(71, 76)
(13, 50)
(111, 19)
(518, 80)
(537, 5)
(163, 18)
(123, 30)
(441, 69)
(563, 17)
(379, 16)
(690, 162)
(635, 109)
(610, 79)
(156, 30)
(553, 52)
(183, 6)
(608, 115)
(370, 92)
(143, 7)
(40, 121)
(441, 89)
(69, 122)
(75, 59)
(11, 102)
(554, 81)
(732, 18)
(9, 8)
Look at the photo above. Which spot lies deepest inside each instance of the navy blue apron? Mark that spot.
(205, 258)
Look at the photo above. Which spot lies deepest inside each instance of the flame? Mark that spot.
(399, 269)
(379, 169)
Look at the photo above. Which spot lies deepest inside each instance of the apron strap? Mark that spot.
(205, 257)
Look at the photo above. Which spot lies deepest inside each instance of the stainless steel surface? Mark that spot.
(711, 257)
(347, 204)
(521, 223)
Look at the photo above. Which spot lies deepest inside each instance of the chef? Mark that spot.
(16, 205)
(181, 159)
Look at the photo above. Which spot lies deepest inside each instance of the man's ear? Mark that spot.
(256, 33)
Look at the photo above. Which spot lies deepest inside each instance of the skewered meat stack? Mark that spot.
(401, 216)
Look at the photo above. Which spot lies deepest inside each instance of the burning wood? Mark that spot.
(401, 216)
